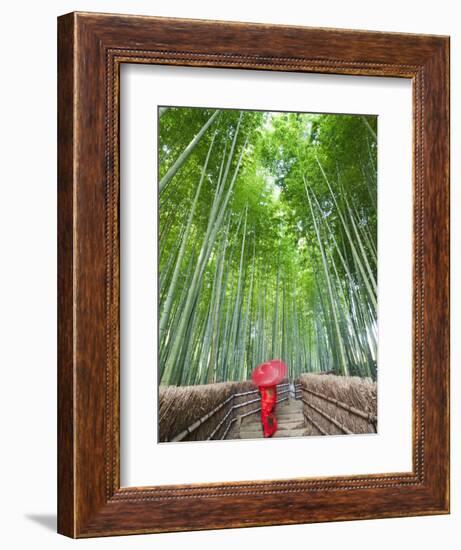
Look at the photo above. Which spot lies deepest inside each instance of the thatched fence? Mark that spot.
(200, 413)
(339, 404)
(331, 405)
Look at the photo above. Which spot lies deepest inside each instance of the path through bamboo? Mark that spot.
(290, 421)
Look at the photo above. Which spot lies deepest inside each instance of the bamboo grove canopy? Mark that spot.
(267, 243)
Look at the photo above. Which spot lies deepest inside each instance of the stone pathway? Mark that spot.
(290, 422)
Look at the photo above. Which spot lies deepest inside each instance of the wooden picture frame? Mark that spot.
(92, 47)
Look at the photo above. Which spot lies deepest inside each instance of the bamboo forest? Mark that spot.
(267, 244)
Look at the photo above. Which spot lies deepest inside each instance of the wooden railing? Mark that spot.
(340, 404)
(295, 391)
(282, 389)
(233, 404)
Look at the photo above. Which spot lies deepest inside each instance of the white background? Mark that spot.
(144, 462)
(28, 272)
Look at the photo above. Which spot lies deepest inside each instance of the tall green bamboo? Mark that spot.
(262, 253)
(342, 354)
(186, 153)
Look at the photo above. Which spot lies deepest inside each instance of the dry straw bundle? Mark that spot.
(181, 406)
(341, 399)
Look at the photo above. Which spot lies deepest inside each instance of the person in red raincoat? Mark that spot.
(266, 376)
(268, 402)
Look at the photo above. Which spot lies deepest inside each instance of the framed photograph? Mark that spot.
(253, 275)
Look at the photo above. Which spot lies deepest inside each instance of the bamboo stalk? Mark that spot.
(185, 154)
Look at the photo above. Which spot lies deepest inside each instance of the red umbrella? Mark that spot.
(283, 369)
(270, 373)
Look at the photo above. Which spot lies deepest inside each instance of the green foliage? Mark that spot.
(278, 253)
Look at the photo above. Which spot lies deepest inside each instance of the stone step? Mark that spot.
(280, 422)
(281, 425)
(284, 428)
(286, 411)
(291, 425)
(278, 415)
(278, 433)
(290, 422)
(288, 419)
